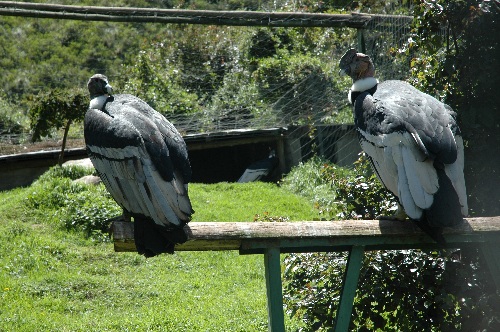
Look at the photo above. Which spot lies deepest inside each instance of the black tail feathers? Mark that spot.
(445, 211)
(152, 239)
(436, 233)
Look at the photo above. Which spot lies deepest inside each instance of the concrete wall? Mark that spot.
(22, 169)
(214, 157)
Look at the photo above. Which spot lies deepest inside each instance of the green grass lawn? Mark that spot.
(55, 279)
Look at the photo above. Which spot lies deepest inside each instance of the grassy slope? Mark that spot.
(52, 279)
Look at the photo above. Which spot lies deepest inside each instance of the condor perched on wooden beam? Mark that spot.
(413, 143)
(143, 162)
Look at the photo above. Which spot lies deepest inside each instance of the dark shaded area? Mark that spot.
(227, 163)
(482, 171)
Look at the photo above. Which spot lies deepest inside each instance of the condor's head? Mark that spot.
(356, 65)
(99, 90)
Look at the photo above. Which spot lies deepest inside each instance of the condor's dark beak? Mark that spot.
(109, 89)
(345, 62)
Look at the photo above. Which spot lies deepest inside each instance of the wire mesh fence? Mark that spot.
(235, 70)
(314, 108)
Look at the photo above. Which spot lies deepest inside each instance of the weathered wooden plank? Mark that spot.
(155, 15)
(271, 239)
(254, 236)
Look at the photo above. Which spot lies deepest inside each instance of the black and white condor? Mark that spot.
(413, 143)
(143, 162)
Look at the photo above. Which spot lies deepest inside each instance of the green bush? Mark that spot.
(12, 120)
(410, 290)
(361, 195)
(340, 192)
(78, 206)
(90, 215)
(297, 85)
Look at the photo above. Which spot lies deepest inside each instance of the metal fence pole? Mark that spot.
(274, 290)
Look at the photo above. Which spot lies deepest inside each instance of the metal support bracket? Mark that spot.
(491, 252)
(274, 290)
(350, 283)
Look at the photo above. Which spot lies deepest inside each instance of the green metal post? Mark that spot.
(491, 252)
(274, 290)
(361, 40)
(350, 283)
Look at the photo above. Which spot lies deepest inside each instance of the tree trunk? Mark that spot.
(63, 146)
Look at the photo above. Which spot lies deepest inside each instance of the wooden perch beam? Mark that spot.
(354, 236)
(255, 237)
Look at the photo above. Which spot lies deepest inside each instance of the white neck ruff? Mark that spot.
(98, 102)
(362, 85)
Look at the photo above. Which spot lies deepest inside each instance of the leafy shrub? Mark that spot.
(289, 81)
(90, 215)
(12, 121)
(339, 192)
(361, 195)
(53, 194)
(57, 109)
(78, 206)
(410, 290)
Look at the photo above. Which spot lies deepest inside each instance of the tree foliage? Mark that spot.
(40, 54)
(411, 290)
(458, 56)
(56, 109)
(457, 62)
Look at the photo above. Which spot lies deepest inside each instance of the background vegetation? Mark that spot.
(57, 266)
(410, 290)
(188, 68)
(181, 69)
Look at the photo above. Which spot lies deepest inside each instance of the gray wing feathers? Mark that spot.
(417, 131)
(400, 167)
(138, 188)
(142, 160)
(419, 175)
(455, 172)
